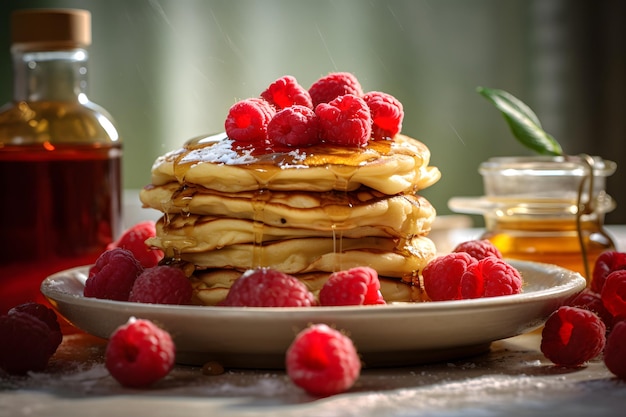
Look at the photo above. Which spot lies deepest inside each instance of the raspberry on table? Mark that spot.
(113, 275)
(614, 293)
(592, 301)
(161, 285)
(295, 126)
(28, 342)
(266, 287)
(134, 240)
(478, 249)
(572, 336)
(606, 263)
(355, 286)
(334, 85)
(139, 353)
(323, 361)
(286, 92)
(615, 350)
(442, 276)
(247, 121)
(46, 315)
(490, 277)
(345, 121)
(387, 114)
(40, 311)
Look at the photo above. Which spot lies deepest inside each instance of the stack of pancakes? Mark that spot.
(307, 212)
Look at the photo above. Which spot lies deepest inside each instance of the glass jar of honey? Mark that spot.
(545, 209)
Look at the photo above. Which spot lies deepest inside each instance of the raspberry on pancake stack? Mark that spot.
(307, 182)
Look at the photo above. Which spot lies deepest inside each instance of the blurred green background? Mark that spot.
(168, 70)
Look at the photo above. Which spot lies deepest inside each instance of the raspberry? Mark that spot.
(345, 121)
(592, 301)
(247, 120)
(264, 287)
(387, 114)
(614, 293)
(46, 315)
(322, 361)
(27, 343)
(113, 275)
(478, 249)
(334, 85)
(161, 285)
(139, 353)
(606, 263)
(572, 336)
(614, 357)
(295, 126)
(134, 240)
(356, 286)
(286, 92)
(490, 277)
(442, 275)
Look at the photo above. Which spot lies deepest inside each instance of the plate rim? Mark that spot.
(575, 280)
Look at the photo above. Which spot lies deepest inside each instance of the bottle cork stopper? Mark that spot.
(50, 29)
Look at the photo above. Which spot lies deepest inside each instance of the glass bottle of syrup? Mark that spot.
(60, 157)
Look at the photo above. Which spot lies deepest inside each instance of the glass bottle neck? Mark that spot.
(50, 75)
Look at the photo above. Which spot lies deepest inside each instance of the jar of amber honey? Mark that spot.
(545, 209)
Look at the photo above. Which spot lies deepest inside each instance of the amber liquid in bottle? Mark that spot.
(550, 241)
(60, 157)
(60, 201)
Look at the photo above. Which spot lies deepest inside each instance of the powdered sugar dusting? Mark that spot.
(218, 149)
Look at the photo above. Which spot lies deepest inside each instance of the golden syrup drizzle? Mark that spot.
(260, 198)
(265, 162)
(338, 208)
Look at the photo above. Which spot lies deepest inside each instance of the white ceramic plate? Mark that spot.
(397, 334)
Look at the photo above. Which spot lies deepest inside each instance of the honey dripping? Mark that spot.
(259, 200)
(338, 208)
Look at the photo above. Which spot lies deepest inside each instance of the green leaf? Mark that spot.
(523, 122)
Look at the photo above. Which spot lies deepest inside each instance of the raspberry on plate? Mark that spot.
(113, 275)
(295, 126)
(334, 85)
(345, 121)
(442, 275)
(28, 342)
(247, 121)
(606, 263)
(614, 293)
(615, 350)
(387, 114)
(323, 361)
(265, 287)
(134, 240)
(572, 336)
(139, 353)
(490, 277)
(478, 249)
(356, 286)
(286, 92)
(161, 285)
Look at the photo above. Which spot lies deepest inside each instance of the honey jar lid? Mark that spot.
(50, 29)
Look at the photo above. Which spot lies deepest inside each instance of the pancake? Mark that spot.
(284, 214)
(390, 257)
(210, 287)
(322, 195)
(218, 163)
